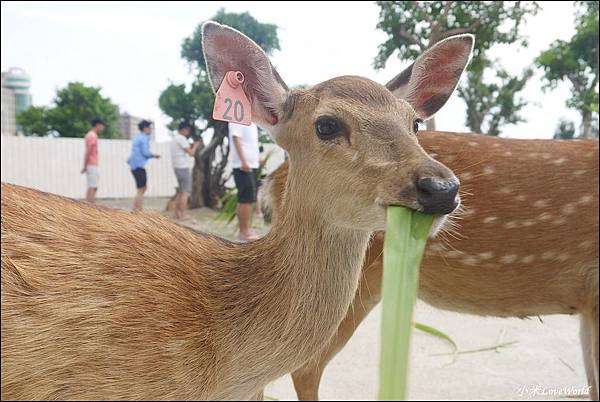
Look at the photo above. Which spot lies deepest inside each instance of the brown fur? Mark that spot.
(101, 304)
(536, 200)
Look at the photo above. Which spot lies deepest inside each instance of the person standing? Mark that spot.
(182, 153)
(140, 154)
(90, 159)
(245, 161)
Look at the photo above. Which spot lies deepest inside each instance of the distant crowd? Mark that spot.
(244, 154)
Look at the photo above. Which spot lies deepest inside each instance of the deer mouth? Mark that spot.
(439, 220)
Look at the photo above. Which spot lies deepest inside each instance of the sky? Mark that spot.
(132, 51)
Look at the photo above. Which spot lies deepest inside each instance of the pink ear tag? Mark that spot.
(231, 102)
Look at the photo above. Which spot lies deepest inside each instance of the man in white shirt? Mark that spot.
(182, 158)
(245, 161)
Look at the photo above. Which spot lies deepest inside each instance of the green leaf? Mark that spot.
(438, 334)
(405, 240)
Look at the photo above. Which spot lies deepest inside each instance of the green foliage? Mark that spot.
(230, 198)
(576, 61)
(34, 121)
(264, 137)
(493, 105)
(74, 107)
(196, 103)
(180, 103)
(265, 35)
(565, 130)
(229, 206)
(413, 26)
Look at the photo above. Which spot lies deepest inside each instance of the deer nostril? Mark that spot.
(437, 196)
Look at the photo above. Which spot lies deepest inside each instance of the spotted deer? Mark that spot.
(525, 242)
(105, 304)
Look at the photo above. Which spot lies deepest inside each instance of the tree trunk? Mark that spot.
(208, 183)
(587, 124)
(214, 183)
(430, 124)
(196, 199)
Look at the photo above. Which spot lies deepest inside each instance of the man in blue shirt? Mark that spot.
(140, 153)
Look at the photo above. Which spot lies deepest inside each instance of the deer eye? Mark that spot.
(327, 127)
(417, 125)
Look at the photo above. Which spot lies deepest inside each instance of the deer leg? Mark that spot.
(306, 382)
(589, 342)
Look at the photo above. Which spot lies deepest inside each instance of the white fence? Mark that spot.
(54, 165)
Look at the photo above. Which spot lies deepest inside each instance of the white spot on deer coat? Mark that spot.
(560, 161)
(486, 255)
(527, 259)
(568, 208)
(470, 260)
(488, 170)
(508, 259)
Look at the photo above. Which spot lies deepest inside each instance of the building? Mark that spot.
(17, 82)
(128, 126)
(9, 114)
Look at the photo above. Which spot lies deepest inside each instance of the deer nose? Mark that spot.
(437, 196)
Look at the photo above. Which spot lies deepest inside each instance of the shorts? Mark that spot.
(140, 177)
(184, 179)
(92, 176)
(246, 185)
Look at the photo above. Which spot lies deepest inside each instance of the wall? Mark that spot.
(54, 165)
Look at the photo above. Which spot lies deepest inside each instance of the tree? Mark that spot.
(414, 26)
(34, 121)
(265, 36)
(74, 107)
(576, 61)
(565, 130)
(493, 105)
(195, 104)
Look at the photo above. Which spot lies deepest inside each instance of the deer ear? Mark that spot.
(432, 78)
(226, 49)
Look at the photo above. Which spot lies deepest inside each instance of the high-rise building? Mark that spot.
(9, 120)
(17, 82)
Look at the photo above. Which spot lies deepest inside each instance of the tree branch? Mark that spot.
(459, 31)
(214, 142)
(447, 8)
(410, 38)
(423, 12)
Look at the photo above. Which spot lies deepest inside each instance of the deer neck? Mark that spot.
(305, 275)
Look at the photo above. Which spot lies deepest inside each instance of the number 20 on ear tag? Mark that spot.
(231, 102)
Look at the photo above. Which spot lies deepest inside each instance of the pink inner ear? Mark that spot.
(440, 73)
(229, 50)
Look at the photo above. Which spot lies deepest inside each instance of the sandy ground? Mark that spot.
(545, 360)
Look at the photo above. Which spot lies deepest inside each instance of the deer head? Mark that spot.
(351, 142)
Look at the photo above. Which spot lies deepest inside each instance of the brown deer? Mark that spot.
(105, 304)
(526, 242)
